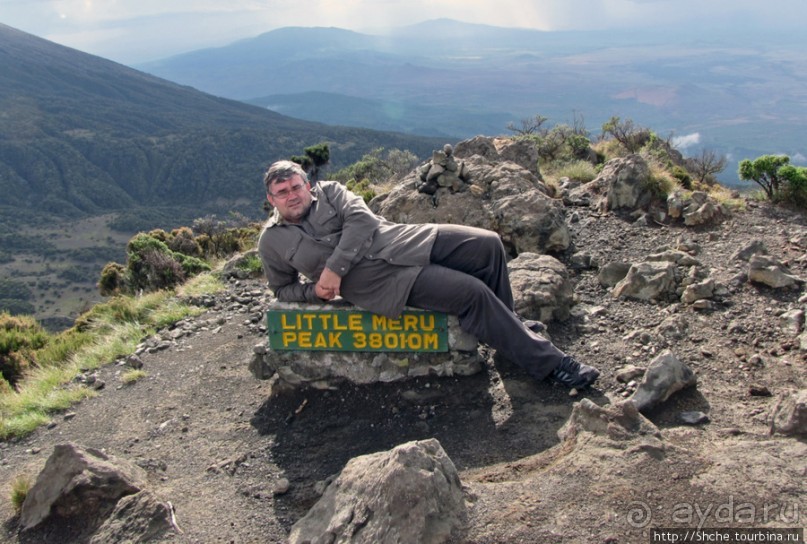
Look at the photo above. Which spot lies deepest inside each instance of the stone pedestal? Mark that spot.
(323, 368)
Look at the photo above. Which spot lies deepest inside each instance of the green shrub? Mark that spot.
(113, 279)
(794, 191)
(579, 170)
(361, 188)
(252, 264)
(182, 241)
(683, 177)
(20, 336)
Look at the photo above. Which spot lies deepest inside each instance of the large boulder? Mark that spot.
(92, 497)
(521, 151)
(500, 196)
(623, 185)
(409, 494)
(541, 287)
(79, 482)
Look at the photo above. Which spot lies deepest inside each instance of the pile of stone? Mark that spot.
(443, 170)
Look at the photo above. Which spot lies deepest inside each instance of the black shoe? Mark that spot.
(575, 375)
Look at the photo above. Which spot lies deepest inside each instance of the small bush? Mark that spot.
(683, 177)
(661, 183)
(131, 376)
(252, 264)
(112, 280)
(20, 337)
(361, 188)
(794, 191)
(20, 486)
(582, 171)
(182, 241)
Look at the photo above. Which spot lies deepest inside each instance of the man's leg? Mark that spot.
(477, 252)
(484, 315)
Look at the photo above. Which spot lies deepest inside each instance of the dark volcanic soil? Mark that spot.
(217, 442)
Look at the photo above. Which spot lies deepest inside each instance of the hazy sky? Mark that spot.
(132, 31)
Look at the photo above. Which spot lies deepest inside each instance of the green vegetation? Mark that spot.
(582, 171)
(20, 486)
(49, 363)
(131, 376)
(251, 264)
(567, 151)
(781, 181)
(376, 171)
(314, 158)
(15, 297)
(162, 260)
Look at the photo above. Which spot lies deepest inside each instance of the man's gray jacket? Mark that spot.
(378, 260)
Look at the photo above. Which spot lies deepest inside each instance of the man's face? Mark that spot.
(291, 198)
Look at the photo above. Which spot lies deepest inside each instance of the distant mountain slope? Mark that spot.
(733, 90)
(81, 134)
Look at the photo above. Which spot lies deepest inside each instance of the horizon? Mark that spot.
(133, 32)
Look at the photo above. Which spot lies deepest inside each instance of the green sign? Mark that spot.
(350, 330)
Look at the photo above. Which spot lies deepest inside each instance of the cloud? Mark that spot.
(140, 30)
(684, 142)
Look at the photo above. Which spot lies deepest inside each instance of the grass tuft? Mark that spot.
(582, 171)
(132, 376)
(20, 486)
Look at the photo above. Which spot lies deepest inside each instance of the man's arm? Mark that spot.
(359, 225)
(283, 280)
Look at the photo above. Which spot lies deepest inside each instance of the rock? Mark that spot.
(502, 196)
(647, 281)
(621, 421)
(771, 272)
(693, 418)
(80, 484)
(626, 179)
(621, 185)
(236, 266)
(789, 415)
(411, 493)
(141, 517)
(665, 376)
(531, 222)
(281, 487)
(698, 291)
(628, 373)
(702, 210)
(792, 322)
(674, 327)
(522, 152)
(756, 390)
(612, 273)
(749, 250)
(541, 287)
(681, 258)
(134, 361)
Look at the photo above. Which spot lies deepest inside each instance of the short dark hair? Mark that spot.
(281, 171)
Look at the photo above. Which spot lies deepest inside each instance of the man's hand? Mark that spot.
(327, 288)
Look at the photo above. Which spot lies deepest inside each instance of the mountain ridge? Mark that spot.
(77, 127)
(741, 96)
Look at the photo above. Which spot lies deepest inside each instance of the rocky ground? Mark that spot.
(242, 460)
